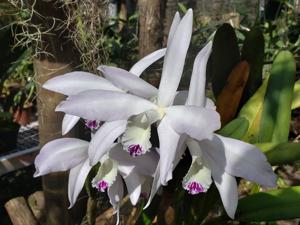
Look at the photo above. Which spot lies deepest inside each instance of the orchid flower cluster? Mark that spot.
(121, 109)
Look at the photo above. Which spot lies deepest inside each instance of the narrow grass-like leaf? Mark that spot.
(225, 56)
(276, 113)
(273, 205)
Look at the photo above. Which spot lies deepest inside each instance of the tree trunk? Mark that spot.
(60, 58)
(150, 25)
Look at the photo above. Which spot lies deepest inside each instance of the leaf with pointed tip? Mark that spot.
(253, 52)
(272, 205)
(276, 112)
(225, 56)
(284, 153)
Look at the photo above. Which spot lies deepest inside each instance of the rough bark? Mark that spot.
(150, 25)
(61, 59)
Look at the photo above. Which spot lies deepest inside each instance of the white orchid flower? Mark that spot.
(138, 111)
(217, 160)
(78, 81)
(71, 154)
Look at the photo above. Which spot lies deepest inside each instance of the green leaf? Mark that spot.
(276, 113)
(252, 112)
(273, 205)
(253, 52)
(225, 56)
(284, 153)
(237, 128)
(296, 98)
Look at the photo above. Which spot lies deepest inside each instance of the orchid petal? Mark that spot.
(107, 172)
(139, 67)
(197, 122)
(104, 138)
(241, 159)
(69, 121)
(75, 82)
(134, 186)
(225, 183)
(144, 164)
(174, 60)
(197, 84)
(60, 155)
(115, 193)
(168, 141)
(104, 105)
(77, 177)
(155, 185)
(136, 138)
(198, 174)
(227, 187)
(128, 81)
(173, 28)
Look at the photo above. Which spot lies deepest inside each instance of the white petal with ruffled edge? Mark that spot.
(106, 175)
(75, 82)
(241, 159)
(60, 155)
(104, 105)
(144, 164)
(68, 123)
(197, 122)
(139, 67)
(198, 79)
(136, 138)
(128, 81)
(104, 138)
(77, 177)
(174, 60)
(116, 192)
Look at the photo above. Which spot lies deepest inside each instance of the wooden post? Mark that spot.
(36, 202)
(19, 212)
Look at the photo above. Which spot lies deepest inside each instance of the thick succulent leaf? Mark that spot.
(296, 98)
(253, 52)
(282, 204)
(283, 153)
(229, 98)
(236, 129)
(252, 112)
(276, 112)
(225, 56)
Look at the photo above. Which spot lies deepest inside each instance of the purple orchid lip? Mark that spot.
(92, 124)
(194, 188)
(102, 185)
(135, 150)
